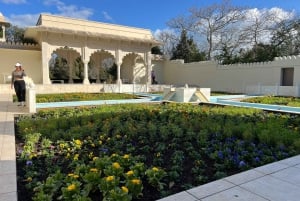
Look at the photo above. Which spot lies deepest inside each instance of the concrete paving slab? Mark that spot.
(244, 177)
(210, 188)
(272, 167)
(182, 196)
(273, 189)
(291, 161)
(8, 183)
(8, 196)
(290, 175)
(7, 167)
(234, 194)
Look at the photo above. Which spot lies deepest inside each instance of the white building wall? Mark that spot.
(236, 78)
(30, 59)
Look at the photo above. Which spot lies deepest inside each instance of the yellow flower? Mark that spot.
(113, 155)
(129, 173)
(76, 157)
(118, 136)
(71, 187)
(78, 142)
(124, 189)
(136, 181)
(126, 156)
(94, 170)
(116, 165)
(100, 142)
(155, 169)
(110, 178)
(61, 145)
(29, 179)
(75, 176)
(95, 158)
(91, 154)
(68, 155)
(32, 155)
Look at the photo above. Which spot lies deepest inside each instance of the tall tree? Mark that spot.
(186, 49)
(286, 38)
(211, 21)
(15, 34)
(259, 25)
(168, 41)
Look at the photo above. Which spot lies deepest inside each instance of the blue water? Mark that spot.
(227, 100)
(146, 98)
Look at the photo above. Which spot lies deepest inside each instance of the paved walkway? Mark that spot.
(279, 181)
(8, 182)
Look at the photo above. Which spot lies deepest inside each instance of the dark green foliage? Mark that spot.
(156, 50)
(187, 50)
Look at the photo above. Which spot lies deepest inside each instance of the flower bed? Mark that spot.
(275, 100)
(144, 152)
(46, 98)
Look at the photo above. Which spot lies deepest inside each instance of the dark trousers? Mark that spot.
(20, 89)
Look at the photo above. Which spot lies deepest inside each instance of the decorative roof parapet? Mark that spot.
(244, 65)
(286, 58)
(278, 61)
(19, 45)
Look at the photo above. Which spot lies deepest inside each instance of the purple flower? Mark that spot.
(242, 164)
(220, 154)
(28, 163)
(105, 150)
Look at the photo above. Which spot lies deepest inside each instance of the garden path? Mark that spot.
(8, 182)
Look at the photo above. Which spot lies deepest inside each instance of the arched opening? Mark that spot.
(66, 66)
(102, 67)
(133, 69)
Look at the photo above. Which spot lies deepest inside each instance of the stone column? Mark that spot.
(85, 59)
(45, 61)
(3, 33)
(86, 74)
(149, 68)
(118, 63)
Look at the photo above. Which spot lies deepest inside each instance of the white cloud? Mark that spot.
(69, 10)
(158, 32)
(263, 18)
(282, 14)
(107, 16)
(23, 20)
(13, 1)
(256, 14)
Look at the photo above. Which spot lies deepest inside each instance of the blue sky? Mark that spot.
(152, 14)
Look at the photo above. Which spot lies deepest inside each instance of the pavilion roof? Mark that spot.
(79, 27)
